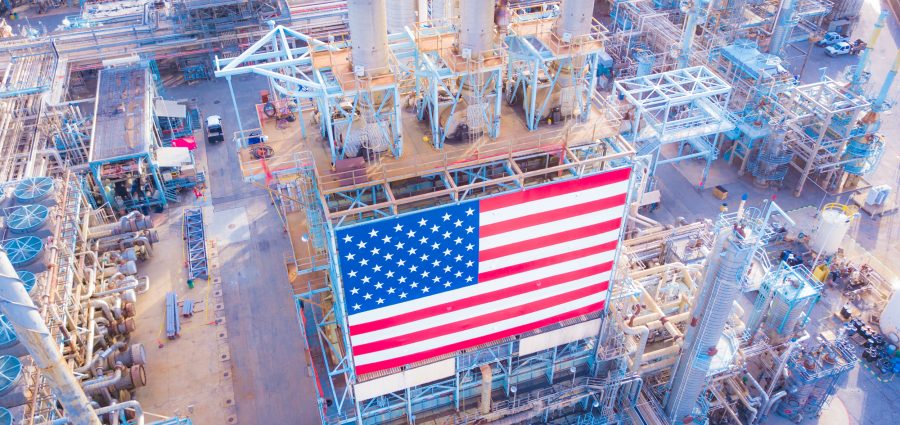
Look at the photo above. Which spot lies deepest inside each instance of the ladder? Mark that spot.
(195, 243)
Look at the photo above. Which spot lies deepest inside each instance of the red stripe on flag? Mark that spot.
(553, 215)
(550, 240)
(561, 188)
(548, 261)
(474, 322)
(478, 299)
(412, 358)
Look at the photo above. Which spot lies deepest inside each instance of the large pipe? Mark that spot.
(368, 35)
(131, 404)
(476, 26)
(856, 81)
(34, 335)
(575, 18)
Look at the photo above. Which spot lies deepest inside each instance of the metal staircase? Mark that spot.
(195, 243)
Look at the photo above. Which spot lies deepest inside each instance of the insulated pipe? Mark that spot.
(102, 382)
(107, 311)
(768, 407)
(34, 335)
(476, 27)
(100, 356)
(762, 394)
(643, 332)
(92, 273)
(575, 18)
(368, 35)
(487, 378)
(131, 404)
(744, 399)
(139, 240)
(122, 288)
(783, 362)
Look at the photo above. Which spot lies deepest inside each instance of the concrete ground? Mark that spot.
(269, 375)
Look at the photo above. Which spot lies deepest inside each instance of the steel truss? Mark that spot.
(553, 77)
(687, 106)
(449, 86)
(354, 111)
(821, 120)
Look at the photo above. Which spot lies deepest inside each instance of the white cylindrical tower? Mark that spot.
(368, 35)
(834, 222)
(401, 13)
(476, 26)
(575, 18)
(443, 9)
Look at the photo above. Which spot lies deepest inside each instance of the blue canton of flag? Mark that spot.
(417, 255)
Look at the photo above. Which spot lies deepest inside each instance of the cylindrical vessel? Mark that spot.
(401, 13)
(575, 18)
(834, 222)
(443, 9)
(476, 26)
(368, 35)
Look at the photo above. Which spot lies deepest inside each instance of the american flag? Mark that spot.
(433, 282)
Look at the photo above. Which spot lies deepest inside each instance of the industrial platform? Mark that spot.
(449, 212)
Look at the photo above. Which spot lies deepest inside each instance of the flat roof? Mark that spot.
(122, 114)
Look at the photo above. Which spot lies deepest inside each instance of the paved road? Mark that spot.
(270, 374)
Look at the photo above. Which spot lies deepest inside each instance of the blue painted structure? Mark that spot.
(549, 75)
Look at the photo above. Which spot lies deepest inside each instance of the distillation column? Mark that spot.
(25, 318)
(726, 264)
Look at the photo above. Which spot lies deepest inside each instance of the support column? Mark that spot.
(487, 378)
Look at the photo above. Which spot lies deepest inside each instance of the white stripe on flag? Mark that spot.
(479, 310)
(457, 337)
(552, 203)
(481, 288)
(550, 228)
(548, 251)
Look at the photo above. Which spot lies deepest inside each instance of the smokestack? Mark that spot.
(575, 18)
(476, 26)
(368, 35)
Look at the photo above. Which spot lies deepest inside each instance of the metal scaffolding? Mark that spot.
(686, 106)
(553, 74)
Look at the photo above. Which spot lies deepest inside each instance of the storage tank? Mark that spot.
(834, 222)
